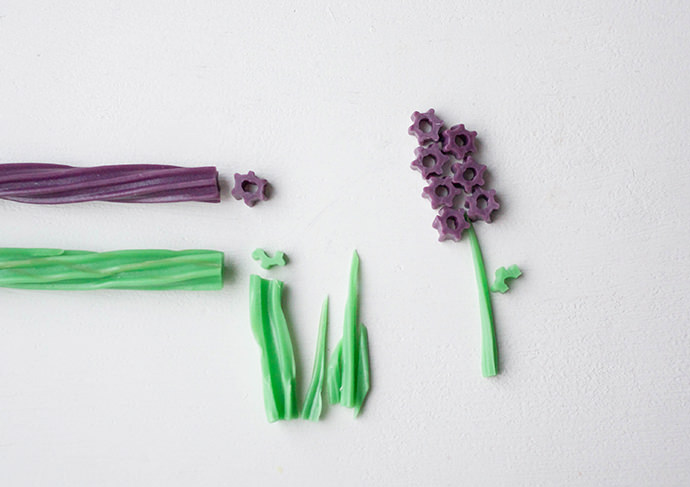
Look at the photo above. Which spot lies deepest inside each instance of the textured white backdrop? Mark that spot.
(583, 114)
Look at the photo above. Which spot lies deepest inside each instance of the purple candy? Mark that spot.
(425, 126)
(250, 188)
(125, 183)
(450, 224)
(468, 174)
(466, 179)
(458, 141)
(430, 160)
(441, 192)
(481, 204)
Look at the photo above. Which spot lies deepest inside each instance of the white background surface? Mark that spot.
(583, 114)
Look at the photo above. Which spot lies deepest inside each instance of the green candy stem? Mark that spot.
(489, 345)
(120, 269)
(311, 409)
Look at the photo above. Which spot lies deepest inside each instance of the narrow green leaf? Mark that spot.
(334, 382)
(285, 353)
(311, 409)
(260, 322)
(363, 379)
(349, 381)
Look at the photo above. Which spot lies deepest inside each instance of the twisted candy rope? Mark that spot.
(120, 269)
(128, 183)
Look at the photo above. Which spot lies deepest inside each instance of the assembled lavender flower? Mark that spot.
(437, 148)
(457, 192)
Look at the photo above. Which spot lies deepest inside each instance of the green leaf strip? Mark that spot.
(348, 370)
(271, 332)
(311, 409)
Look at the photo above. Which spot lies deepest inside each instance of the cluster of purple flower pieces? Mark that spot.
(458, 195)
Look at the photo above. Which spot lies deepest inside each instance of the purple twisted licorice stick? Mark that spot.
(126, 183)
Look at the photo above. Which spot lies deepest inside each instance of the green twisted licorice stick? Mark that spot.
(121, 269)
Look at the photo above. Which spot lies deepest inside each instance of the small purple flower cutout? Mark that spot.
(481, 204)
(430, 161)
(250, 188)
(468, 174)
(450, 224)
(426, 127)
(441, 192)
(458, 141)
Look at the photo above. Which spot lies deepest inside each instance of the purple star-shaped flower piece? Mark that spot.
(469, 174)
(458, 141)
(425, 126)
(441, 192)
(430, 160)
(450, 224)
(481, 204)
(250, 188)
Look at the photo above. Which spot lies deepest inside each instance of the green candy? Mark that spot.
(348, 369)
(311, 409)
(121, 269)
(489, 344)
(277, 357)
(500, 284)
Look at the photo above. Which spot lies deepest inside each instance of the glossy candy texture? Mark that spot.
(450, 224)
(481, 204)
(311, 409)
(466, 178)
(489, 344)
(125, 183)
(348, 369)
(271, 332)
(458, 141)
(441, 192)
(250, 188)
(425, 126)
(267, 262)
(468, 174)
(120, 269)
(500, 284)
(430, 160)
(454, 218)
